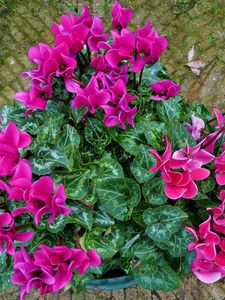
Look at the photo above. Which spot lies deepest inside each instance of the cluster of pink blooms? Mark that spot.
(180, 170)
(9, 233)
(39, 196)
(189, 161)
(50, 269)
(209, 244)
(77, 36)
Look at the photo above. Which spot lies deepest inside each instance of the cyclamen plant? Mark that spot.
(105, 170)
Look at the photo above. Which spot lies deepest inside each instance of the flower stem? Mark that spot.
(58, 99)
(140, 76)
(134, 81)
(84, 58)
(78, 81)
(89, 53)
(214, 119)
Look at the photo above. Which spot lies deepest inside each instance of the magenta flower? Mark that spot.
(41, 199)
(196, 127)
(219, 215)
(91, 96)
(66, 63)
(164, 89)
(56, 262)
(36, 97)
(122, 47)
(100, 63)
(19, 182)
(210, 140)
(28, 275)
(82, 260)
(205, 240)
(219, 165)
(9, 234)
(96, 34)
(149, 46)
(179, 184)
(121, 16)
(11, 139)
(162, 161)
(192, 157)
(206, 270)
(73, 30)
(120, 111)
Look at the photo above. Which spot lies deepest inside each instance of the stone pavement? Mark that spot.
(186, 23)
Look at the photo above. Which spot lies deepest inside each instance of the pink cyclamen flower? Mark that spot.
(179, 184)
(65, 63)
(205, 240)
(219, 165)
(9, 234)
(162, 161)
(193, 157)
(40, 199)
(82, 260)
(122, 47)
(219, 215)
(11, 139)
(210, 140)
(19, 182)
(121, 16)
(120, 111)
(148, 48)
(91, 96)
(96, 34)
(28, 275)
(207, 271)
(164, 89)
(36, 97)
(196, 127)
(56, 261)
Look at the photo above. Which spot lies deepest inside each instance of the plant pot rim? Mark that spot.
(114, 283)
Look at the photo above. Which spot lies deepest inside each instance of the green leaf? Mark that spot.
(177, 245)
(50, 131)
(164, 279)
(58, 224)
(154, 72)
(154, 132)
(5, 279)
(138, 212)
(146, 267)
(163, 222)
(106, 168)
(76, 182)
(79, 113)
(153, 191)
(70, 137)
(107, 243)
(179, 135)
(80, 215)
(145, 249)
(208, 184)
(170, 110)
(131, 138)
(101, 218)
(97, 134)
(119, 196)
(46, 158)
(128, 245)
(141, 164)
